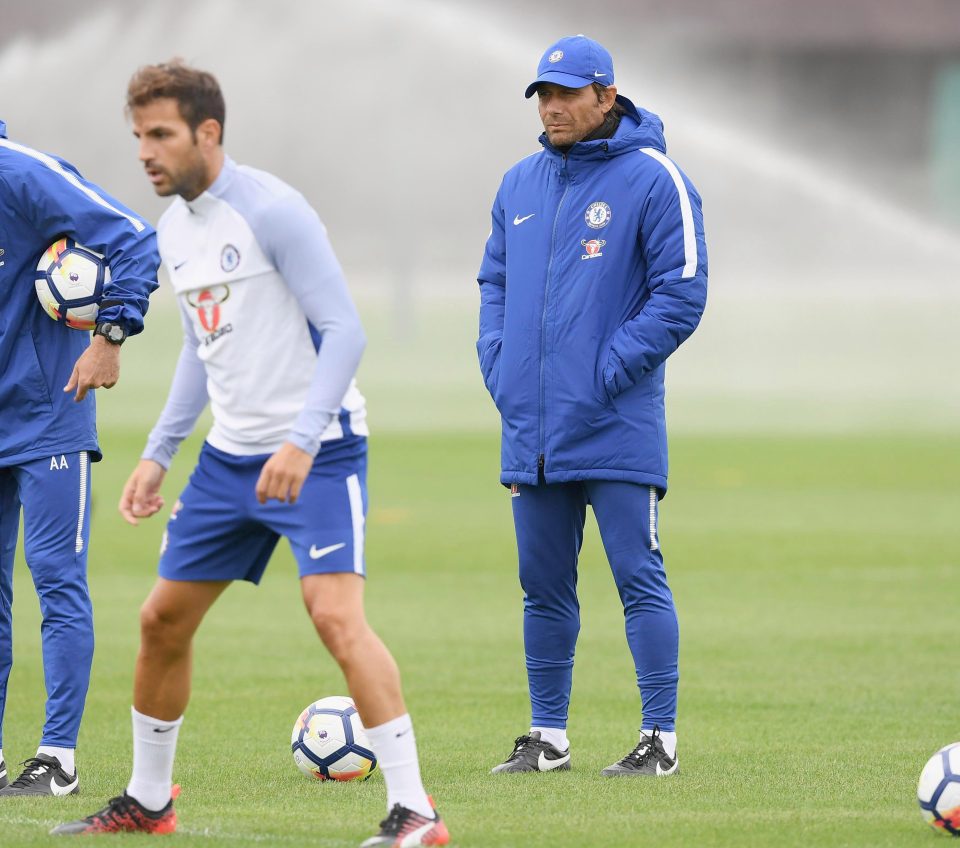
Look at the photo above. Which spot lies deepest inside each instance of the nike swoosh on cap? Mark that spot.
(598, 74)
(518, 220)
(316, 553)
(547, 765)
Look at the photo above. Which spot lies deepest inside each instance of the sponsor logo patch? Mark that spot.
(592, 248)
(207, 303)
(210, 338)
(598, 215)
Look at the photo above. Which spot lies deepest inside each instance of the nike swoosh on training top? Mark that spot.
(316, 553)
(180, 265)
(518, 220)
(57, 789)
(547, 765)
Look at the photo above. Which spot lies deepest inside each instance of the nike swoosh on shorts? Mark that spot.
(316, 553)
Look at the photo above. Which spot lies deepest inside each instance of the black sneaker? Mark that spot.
(530, 754)
(42, 775)
(648, 759)
(3, 774)
(405, 827)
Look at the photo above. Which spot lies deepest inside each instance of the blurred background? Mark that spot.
(815, 414)
(822, 137)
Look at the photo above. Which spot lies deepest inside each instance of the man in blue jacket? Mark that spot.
(48, 434)
(595, 271)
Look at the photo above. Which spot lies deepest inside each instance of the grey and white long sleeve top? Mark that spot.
(271, 336)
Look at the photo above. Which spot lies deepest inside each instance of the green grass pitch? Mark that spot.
(815, 580)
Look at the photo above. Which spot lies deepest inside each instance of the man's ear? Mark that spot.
(209, 133)
(609, 98)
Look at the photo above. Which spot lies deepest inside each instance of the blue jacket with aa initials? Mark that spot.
(595, 271)
(43, 198)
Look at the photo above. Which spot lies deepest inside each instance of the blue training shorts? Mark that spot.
(218, 531)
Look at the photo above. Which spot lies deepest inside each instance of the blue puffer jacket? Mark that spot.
(595, 271)
(41, 199)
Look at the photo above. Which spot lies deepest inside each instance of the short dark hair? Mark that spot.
(197, 92)
(601, 91)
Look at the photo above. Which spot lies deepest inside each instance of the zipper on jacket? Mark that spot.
(543, 318)
(540, 475)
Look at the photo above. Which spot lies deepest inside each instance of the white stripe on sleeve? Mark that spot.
(56, 167)
(686, 212)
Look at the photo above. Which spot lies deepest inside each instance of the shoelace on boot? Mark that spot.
(32, 769)
(645, 749)
(119, 809)
(394, 823)
(519, 744)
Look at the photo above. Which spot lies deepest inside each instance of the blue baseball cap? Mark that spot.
(574, 62)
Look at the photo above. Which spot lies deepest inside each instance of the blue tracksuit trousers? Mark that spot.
(53, 493)
(549, 522)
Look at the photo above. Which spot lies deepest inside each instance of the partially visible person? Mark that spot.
(272, 341)
(48, 434)
(595, 271)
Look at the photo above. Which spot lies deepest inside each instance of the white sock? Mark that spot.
(1, 755)
(556, 736)
(154, 747)
(396, 750)
(65, 755)
(669, 739)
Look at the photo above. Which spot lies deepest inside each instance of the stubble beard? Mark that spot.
(189, 184)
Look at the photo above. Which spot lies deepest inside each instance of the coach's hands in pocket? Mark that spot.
(141, 495)
(284, 474)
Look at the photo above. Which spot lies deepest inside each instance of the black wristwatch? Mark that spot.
(113, 333)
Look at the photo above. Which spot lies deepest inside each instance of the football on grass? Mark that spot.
(939, 790)
(329, 742)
